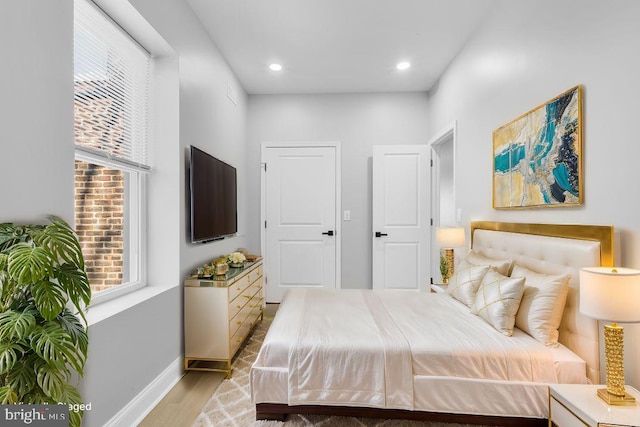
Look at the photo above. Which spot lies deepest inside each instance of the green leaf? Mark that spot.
(53, 344)
(16, 325)
(28, 264)
(11, 234)
(61, 241)
(76, 284)
(71, 396)
(51, 380)
(22, 377)
(76, 330)
(10, 354)
(50, 298)
(8, 396)
(4, 261)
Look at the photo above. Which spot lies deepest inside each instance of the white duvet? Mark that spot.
(363, 347)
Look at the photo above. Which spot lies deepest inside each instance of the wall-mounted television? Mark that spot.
(213, 197)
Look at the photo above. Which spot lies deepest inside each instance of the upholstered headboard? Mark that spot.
(555, 249)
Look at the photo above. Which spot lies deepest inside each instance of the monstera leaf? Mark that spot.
(28, 264)
(42, 278)
(61, 242)
(17, 325)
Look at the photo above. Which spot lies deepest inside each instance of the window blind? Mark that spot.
(111, 90)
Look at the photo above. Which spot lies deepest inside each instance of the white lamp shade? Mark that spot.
(450, 237)
(611, 294)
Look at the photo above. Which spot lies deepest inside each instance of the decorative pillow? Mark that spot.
(464, 283)
(502, 266)
(542, 304)
(498, 299)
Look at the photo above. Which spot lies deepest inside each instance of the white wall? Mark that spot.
(129, 348)
(358, 121)
(525, 54)
(36, 111)
(208, 118)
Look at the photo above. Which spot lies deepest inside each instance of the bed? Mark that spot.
(396, 354)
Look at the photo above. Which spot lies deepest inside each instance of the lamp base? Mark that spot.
(612, 399)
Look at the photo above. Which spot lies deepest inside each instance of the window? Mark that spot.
(111, 109)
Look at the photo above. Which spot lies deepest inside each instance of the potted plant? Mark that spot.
(236, 259)
(444, 269)
(43, 289)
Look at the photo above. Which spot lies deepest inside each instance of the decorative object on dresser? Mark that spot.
(612, 294)
(237, 259)
(448, 238)
(219, 313)
(537, 158)
(577, 405)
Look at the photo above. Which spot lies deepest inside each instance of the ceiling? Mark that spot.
(335, 46)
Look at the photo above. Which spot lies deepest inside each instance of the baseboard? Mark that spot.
(147, 399)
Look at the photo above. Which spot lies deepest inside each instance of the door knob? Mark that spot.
(379, 234)
(328, 233)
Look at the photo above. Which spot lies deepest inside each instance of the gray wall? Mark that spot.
(36, 110)
(135, 339)
(525, 54)
(358, 121)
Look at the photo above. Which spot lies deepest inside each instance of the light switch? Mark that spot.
(347, 216)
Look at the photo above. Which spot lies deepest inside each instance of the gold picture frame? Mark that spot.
(537, 157)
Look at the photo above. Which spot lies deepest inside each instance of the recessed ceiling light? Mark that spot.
(275, 67)
(403, 65)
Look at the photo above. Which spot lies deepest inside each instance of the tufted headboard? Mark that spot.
(555, 249)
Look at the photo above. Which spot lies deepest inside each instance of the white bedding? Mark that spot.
(333, 350)
(348, 353)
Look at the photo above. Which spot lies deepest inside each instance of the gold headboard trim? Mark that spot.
(598, 233)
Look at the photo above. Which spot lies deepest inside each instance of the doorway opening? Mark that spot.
(443, 191)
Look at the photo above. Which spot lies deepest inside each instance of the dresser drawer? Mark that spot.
(255, 274)
(246, 301)
(239, 286)
(562, 417)
(244, 329)
(241, 300)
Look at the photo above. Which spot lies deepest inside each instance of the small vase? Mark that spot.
(237, 264)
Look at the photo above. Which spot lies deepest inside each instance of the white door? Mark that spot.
(401, 217)
(300, 210)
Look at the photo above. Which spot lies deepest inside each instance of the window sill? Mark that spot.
(102, 311)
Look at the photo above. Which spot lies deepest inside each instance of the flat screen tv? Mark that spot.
(213, 197)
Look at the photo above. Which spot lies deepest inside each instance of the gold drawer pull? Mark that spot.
(247, 296)
(239, 322)
(239, 306)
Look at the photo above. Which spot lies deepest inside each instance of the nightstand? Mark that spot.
(578, 405)
(438, 288)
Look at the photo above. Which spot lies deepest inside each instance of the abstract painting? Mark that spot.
(537, 158)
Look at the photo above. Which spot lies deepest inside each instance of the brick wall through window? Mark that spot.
(99, 210)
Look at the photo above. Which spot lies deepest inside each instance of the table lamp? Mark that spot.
(448, 238)
(612, 294)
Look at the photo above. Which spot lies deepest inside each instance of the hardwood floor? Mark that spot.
(182, 405)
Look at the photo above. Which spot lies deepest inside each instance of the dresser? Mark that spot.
(578, 405)
(219, 313)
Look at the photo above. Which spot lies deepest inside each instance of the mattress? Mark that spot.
(449, 348)
(421, 317)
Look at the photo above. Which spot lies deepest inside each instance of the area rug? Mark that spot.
(230, 405)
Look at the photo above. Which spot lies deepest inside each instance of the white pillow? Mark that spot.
(498, 299)
(502, 266)
(542, 304)
(464, 283)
